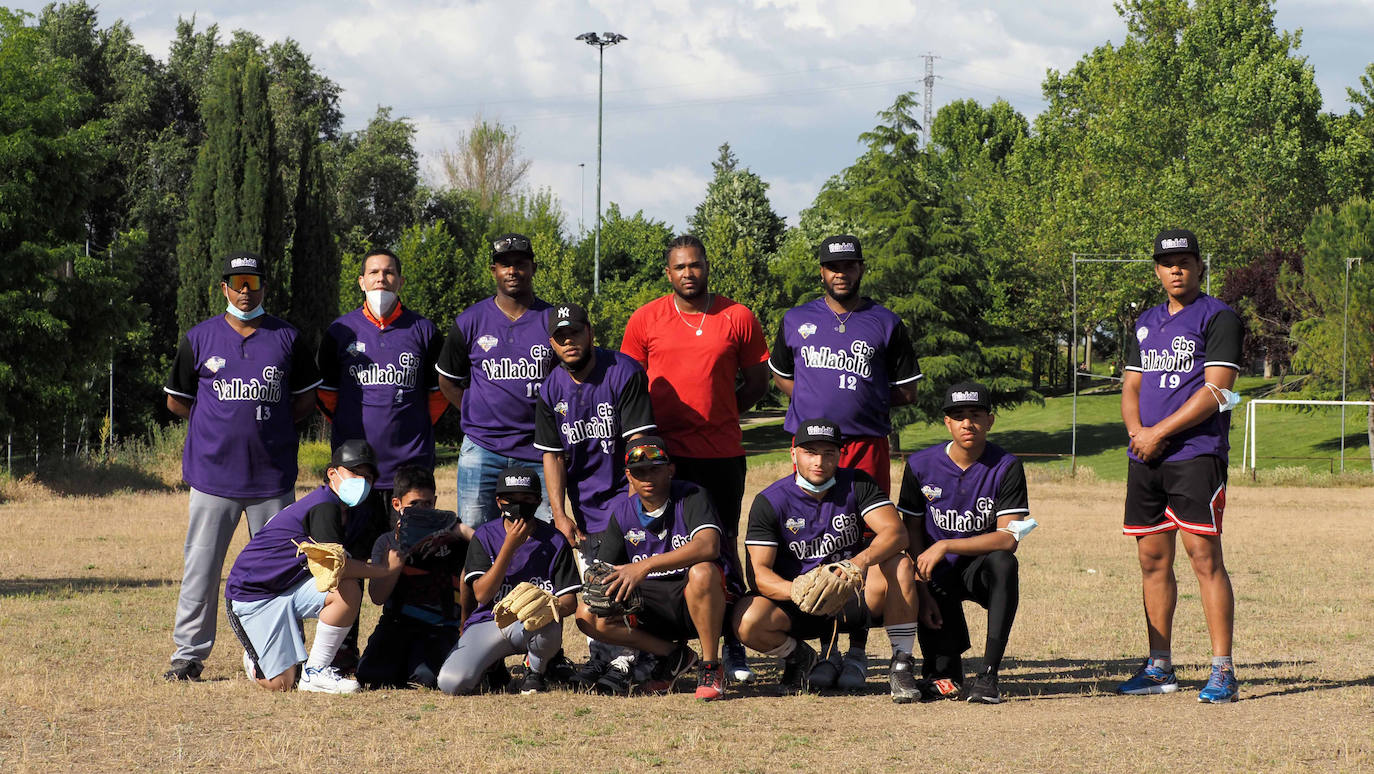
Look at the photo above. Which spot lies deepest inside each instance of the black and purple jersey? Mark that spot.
(809, 532)
(383, 378)
(270, 564)
(589, 423)
(499, 363)
(545, 560)
(240, 439)
(845, 376)
(956, 503)
(1173, 352)
(628, 539)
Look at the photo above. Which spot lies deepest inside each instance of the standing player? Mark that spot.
(811, 518)
(694, 346)
(664, 541)
(493, 361)
(1177, 389)
(958, 500)
(242, 380)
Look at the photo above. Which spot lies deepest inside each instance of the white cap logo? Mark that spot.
(243, 260)
(825, 430)
(563, 312)
(1173, 244)
(519, 481)
(843, 247)
(970, 396)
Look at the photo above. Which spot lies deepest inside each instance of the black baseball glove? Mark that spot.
(597, 598)
(417, 524)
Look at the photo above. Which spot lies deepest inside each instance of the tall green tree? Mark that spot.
(378, 180)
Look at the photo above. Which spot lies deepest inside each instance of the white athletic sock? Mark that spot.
(785, 649)
(326, 645)
(902, 636)
(1162, 659)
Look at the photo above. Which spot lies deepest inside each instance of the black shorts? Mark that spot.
(1188, 494)
(723, 480)
(403, 651)
(665, 612)
(804, 626)
(950, 585)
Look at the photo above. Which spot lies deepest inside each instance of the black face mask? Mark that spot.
(517, 511)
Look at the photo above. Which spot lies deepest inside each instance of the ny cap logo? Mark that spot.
(563, 312)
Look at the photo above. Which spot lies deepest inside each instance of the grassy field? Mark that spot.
(90, 582)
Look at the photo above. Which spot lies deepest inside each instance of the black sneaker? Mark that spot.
(586, 677)
(346, 660)
(615, 682)
(983, 690)
(559, 670)
(496, 679)
(903, 679)
(183, 670)
(534, 682)
(796, 670)
(667, 669)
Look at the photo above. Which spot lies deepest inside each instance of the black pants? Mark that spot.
(993, 581)
(403, 651)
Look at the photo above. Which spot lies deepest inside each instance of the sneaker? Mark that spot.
(346, 660)
(183, 670)
(327, 680)
(249, 668)
(586, 677)
(642, 665)
(737, 662)
(824, 674)
(534, 682)
(902, 678)
(667, 669)
(853, 673)
(983, 690)
(1149, 679)
(796, 670)
(1221, 687)
(617, 680)
(937, 689)
(559, 670)
(710, 680)
(496, 679)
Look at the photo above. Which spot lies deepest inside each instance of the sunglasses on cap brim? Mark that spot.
(644, 456)
(511, 245)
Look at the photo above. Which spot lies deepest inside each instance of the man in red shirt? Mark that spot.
(695, 345)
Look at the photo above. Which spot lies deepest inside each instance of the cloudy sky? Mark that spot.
(789, 84)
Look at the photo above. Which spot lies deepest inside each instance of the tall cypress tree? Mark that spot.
(314, 254)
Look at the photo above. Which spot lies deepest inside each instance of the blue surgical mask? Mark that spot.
(246, 316)
(353, 490)
(1226, 400)
(814, 488)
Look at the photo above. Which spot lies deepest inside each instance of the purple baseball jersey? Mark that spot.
(240, 439)
(383, 378)
(499, 363)
(809, 532)
(544, 559)
(845, 375)
(589, 423)
(628, 539)
(957, 503)
(1173, 354)
(270, 565)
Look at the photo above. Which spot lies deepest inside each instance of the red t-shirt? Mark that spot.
(691, 377)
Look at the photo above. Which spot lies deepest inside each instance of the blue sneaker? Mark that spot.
(1221, 687)
(1149, 679)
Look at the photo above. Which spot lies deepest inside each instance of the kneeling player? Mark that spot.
(421, 614)
(809, 519)
(516, 548)
(270, 588)
(959, 499)
(664, 541)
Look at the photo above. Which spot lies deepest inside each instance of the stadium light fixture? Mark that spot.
(600, 42)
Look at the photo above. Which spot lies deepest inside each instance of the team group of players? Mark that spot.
(574, 454)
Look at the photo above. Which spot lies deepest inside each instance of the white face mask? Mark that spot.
(1226, 400)
(815, 488)
(245, 316)
(381, 302)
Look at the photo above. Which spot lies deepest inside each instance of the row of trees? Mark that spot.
(125, 178)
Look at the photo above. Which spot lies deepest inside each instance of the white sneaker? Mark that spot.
(853, 673)
(248, 668)
(327, 680)
(737, 662)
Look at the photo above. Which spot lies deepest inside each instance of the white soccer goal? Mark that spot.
(1251, 443)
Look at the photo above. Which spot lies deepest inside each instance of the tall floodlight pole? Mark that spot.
(1345, 334)
(582, 201)
(601, 42)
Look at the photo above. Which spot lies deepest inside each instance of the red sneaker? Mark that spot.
(710, 681)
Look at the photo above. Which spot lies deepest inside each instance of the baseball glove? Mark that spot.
(416, 524)
(326, 562)
(824, 590)
(529, 604)
(596, 595)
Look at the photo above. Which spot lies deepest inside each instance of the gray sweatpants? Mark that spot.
(212, 523)
(486, 643)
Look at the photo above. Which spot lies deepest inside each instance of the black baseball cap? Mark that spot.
(646, 450)
(1176, 240)
(353, 454)
(565, 316)
(842, 247)
(968, 395)
(511, 244)
(242, 262)
(517, 479)
(817, 430)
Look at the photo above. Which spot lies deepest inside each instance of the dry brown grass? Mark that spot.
(89, 585)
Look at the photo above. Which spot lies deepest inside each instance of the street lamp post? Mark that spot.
(601, 42)
(1345, 335)
(582, 201)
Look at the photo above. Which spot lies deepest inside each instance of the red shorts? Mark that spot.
(872, 455)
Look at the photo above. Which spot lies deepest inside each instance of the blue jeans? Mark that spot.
(478, 470)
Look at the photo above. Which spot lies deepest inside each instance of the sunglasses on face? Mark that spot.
(645, 455)
(241, 281)
(511, 245)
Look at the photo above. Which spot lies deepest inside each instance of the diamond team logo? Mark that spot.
(794, 524)
(636, 536)
(806, 330)
(487, 342)
(356, 348)
(561, 407)
(214, 364)
(1141, 333)
(932, 493)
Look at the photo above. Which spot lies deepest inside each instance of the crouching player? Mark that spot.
(421, 611)
(504, 553)
(664, 540)
(270, 588)
(811, 518)
(959, 500)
